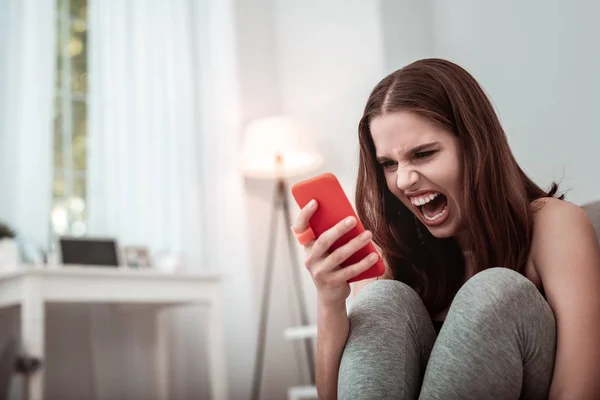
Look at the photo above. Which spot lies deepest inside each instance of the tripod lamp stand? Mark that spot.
(274, 148)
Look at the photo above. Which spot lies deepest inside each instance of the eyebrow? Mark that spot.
(414, 150)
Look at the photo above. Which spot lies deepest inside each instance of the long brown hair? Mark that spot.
(497, 195)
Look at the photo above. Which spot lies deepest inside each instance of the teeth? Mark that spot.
(421, 200)
(436, 216)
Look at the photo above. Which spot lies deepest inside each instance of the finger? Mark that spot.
(305, 213)
(354, 270)
(341, 254)
(330, 236)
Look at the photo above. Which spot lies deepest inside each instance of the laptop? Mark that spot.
(101, 252)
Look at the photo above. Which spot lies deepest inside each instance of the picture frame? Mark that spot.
(137, 257)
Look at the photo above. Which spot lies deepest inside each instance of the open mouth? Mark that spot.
(433, 206)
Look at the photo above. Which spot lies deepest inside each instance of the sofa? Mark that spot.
(593, 211)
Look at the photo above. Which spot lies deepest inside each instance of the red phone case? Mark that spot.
(334, 206)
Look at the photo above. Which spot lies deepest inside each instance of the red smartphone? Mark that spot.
(334, 206)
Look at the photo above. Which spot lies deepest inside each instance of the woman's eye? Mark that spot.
(424, 154)
(388, 164)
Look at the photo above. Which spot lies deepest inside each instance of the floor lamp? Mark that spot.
(274, 149)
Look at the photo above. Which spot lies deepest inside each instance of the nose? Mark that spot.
(406, 178)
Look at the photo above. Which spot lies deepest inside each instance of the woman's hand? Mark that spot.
(329, 278)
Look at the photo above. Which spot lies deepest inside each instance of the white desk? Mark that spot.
(32, 287)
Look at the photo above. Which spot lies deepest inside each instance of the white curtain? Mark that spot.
(163, 139)
(27, 71)
(144, 184)
(27, 80)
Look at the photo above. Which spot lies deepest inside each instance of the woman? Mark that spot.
(492, 288)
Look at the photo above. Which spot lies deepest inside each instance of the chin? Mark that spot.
(442, 232)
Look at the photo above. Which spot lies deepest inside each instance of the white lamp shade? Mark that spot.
(268, 138)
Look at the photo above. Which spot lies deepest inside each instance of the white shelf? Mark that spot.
(295, 333)
(300, 332)
(302, 392)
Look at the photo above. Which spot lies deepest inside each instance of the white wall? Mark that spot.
(539, 61)
(330, 57)
(408, 33)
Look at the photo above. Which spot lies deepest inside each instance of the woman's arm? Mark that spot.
(567, 258)
(332, 332)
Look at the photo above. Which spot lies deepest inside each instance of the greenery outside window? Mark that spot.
(69, 211)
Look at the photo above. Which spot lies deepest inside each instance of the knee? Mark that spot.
(500, 290)
(497, 283)
(389, 341)
(385, 301)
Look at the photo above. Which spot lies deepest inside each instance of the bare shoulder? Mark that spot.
(549, 211)
(556, 220)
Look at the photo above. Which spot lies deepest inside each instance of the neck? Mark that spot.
(467, 251)
(464, 243)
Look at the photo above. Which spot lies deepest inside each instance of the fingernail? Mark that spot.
(349, 221)
(373, 257)
(365, 235)
(312, 204)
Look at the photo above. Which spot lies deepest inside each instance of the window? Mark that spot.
(69, 213)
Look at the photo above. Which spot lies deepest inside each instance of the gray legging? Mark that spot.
(498, 342)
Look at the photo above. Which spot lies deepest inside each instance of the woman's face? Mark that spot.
(422, 164)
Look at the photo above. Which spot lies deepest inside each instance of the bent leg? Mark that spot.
(390, 339)
(498, 342)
